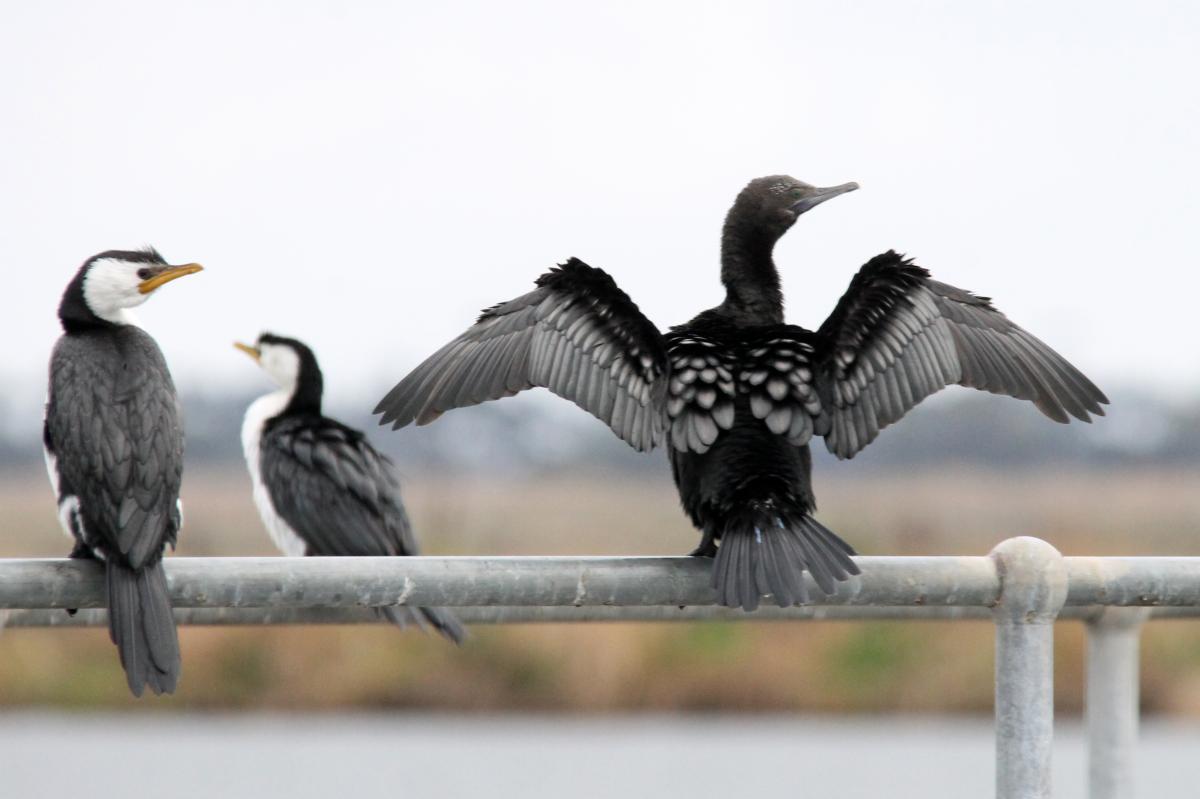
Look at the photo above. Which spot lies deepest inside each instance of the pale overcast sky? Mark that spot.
(367, 176)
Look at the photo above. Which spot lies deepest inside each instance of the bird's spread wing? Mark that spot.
(898, 336)
(336, 491)
(701, 390)
(576, 334)
(118, 440)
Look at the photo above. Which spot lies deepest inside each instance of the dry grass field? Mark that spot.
(829, 667)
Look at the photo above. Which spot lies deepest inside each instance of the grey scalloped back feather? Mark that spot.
(701, 390)
(122, 432)
(778, 374)
(114, 432)
(338, 493)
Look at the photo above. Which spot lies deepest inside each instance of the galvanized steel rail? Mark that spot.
(1023, 586)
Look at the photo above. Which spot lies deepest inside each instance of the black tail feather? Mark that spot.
(142, 626)
(757, 558)
(439, 619)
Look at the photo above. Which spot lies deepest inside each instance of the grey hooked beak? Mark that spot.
(820, 195)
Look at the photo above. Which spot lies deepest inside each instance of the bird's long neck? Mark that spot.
(752, 291)
(288, 402)
(305, 396)
(300, 396)
(77, 316)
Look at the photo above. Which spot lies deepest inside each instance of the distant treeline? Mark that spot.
(535, 434)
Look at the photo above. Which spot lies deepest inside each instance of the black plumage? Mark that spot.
(320, 487)
(738, 393)
(114, 447)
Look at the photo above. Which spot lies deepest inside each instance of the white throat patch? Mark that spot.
(110, 289)
(282, 364)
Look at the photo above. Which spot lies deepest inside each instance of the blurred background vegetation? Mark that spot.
(534, 476)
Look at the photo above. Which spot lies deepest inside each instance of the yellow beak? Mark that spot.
(246, 348)
(165, 274)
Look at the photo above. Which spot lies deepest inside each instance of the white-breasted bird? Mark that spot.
(320, 487)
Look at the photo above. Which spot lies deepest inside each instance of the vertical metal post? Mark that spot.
(1033, 587)
(1112, 700)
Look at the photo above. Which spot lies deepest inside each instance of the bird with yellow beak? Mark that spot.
(113, 441)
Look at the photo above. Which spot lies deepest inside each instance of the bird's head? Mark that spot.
(773, 204)
(110, 283)
(290, 363)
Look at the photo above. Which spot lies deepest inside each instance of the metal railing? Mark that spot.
(1023, 586)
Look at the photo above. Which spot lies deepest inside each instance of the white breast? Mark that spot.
(257, 414)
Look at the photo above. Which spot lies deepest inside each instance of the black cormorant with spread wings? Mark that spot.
(320, 487)
(114, 448)
(736, 393)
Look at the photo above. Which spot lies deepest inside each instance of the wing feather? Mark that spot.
(336, 491)
(898, 336)
(577, 334)
(118, 439)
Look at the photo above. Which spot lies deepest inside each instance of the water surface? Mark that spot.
(362, 757)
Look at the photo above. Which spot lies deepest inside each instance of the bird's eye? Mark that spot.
(143, 274)
(797, 192)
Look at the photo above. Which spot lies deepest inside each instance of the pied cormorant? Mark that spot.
(320, 487)
(738, 393)
(113, 440)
